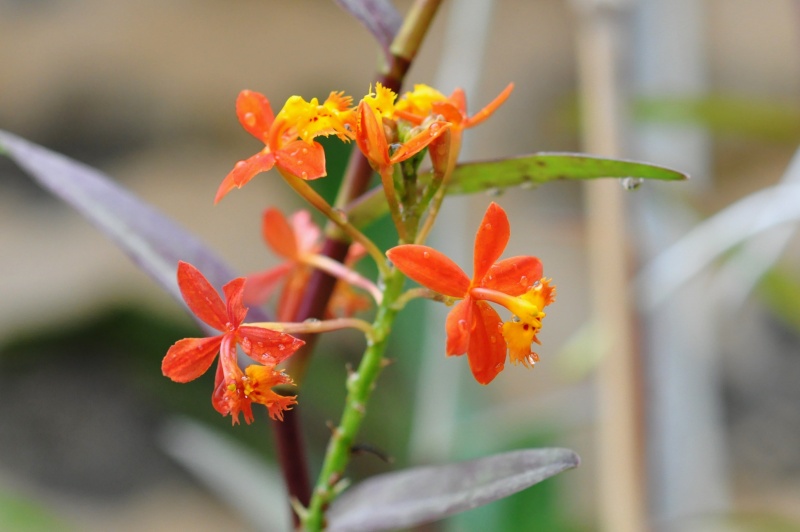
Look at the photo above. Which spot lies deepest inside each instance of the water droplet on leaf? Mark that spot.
(631, 183)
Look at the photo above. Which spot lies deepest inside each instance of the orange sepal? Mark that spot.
(430, 268)
(487, 111)
(490, 240)
(278, 234)
(201, 297)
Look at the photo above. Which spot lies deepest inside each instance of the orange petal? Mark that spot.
(189, 358)
(229, 400)
(278, 234)
(459, 101)
(244, 171)
(457, 327)
(234, 292)
(513, 276)
(260, 286)
(267, 346)
(301, 159)
(201, 297)
(487, 347)
(255, 114)
(430, 268)
(449, 112)
(491, 239)
(487, 111)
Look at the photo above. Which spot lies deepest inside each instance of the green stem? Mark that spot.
(359, 388)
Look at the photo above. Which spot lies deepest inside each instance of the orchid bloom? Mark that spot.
(189, 358)
(377, 111)
(473, 326)
(424, 101)
(289, 136)
(297, 239)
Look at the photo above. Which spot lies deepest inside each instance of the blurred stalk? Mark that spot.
(687, 451)
(621, 490)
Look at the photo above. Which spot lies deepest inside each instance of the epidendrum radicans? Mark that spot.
(397, 139)
(393, 134)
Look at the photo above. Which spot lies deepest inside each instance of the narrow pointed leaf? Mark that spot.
(527, 170)
(533, 170)
(379, 16)
(420, 495)
(152, 240)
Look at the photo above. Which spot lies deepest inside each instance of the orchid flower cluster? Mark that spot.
(393, 134)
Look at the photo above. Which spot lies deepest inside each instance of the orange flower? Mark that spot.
(375, 113)
(297, 239)
(473, 326)
(189, 358)
(423, 102)
(289, 136)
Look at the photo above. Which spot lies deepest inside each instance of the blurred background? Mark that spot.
(92, 437)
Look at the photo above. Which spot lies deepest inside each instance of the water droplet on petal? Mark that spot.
(631, 183)
(305, 150)
(281, 347)
(523, 280)
(304, 175)
(426, 255)
(240, 164)
(488, 227)
(250, 119)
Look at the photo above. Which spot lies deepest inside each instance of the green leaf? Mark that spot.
(533, 170)
(419, 495)
(527, 170)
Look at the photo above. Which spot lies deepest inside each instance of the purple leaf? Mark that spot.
(414, 496)
(379, 16)
(153, 241)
